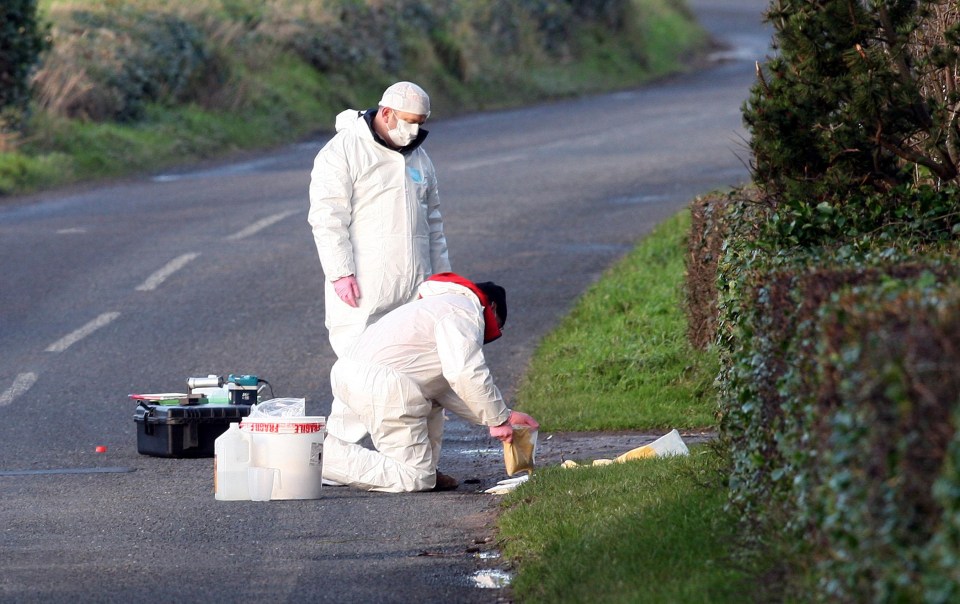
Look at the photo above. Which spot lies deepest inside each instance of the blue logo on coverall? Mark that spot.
(415, 175)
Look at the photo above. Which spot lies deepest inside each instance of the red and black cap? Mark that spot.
(487, 292)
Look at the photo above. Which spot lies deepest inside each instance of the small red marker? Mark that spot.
(101, 449)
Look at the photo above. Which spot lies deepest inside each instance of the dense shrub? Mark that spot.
(21, 41)
(787, 398)
(356, 40)
(942, 558)
(891, 364)
(109, 65)
(798, 425)
(768, 297)
(715, 219)
(704, 247)
(837, 298)
(461, 43)
(852, 106)
(184, 80)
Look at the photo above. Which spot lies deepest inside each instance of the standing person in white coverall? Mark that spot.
(404, 371)
(375, 214)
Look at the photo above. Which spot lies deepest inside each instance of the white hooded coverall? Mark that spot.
(375, 214)
(399, 376)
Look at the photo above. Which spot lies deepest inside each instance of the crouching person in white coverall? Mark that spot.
(404, 371)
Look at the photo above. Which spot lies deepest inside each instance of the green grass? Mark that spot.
(61, 151)
(652, 530)
(621, 359)
(648, 52)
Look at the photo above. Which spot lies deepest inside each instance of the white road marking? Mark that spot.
(164, 273)
(72, 338)
(260, 225)
(71, 231)
(21, 384)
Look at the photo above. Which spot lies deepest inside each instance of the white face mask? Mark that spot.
(404, 133)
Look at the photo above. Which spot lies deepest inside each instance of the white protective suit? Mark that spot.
(375, 214)
(399, 376)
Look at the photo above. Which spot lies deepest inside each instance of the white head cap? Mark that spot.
(408, 97)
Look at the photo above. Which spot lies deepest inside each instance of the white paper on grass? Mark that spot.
(505, 486)
(670, 444)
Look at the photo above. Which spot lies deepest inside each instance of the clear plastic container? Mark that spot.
(230, 463)
(215, 396)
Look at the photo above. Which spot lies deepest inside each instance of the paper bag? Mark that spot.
(519, 455)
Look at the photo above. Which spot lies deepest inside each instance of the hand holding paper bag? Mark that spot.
(519, 454)
(504, 432)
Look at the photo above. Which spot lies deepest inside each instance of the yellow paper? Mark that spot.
(638, 453)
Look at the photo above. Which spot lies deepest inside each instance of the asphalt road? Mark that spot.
(135, 286)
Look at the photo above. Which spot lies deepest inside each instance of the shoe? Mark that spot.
(445, 483)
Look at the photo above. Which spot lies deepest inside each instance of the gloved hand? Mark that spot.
(522, 419)
(347, 289)
(504, 432)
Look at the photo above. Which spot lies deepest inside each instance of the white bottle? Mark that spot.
(230, 462)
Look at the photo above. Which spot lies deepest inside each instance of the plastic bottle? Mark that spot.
(231, 460)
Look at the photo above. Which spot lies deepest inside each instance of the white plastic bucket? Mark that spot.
(292, 445)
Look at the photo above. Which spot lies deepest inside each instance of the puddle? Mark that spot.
(490, 555)
(491, 578)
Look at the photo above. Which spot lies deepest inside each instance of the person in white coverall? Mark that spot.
(404, 371)
(375, 215)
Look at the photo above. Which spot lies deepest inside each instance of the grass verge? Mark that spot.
(653, 530)
(621, 359)
(136, 86)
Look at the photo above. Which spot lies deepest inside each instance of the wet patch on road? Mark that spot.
(116, 470)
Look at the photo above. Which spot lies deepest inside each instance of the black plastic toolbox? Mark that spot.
(183, 430)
